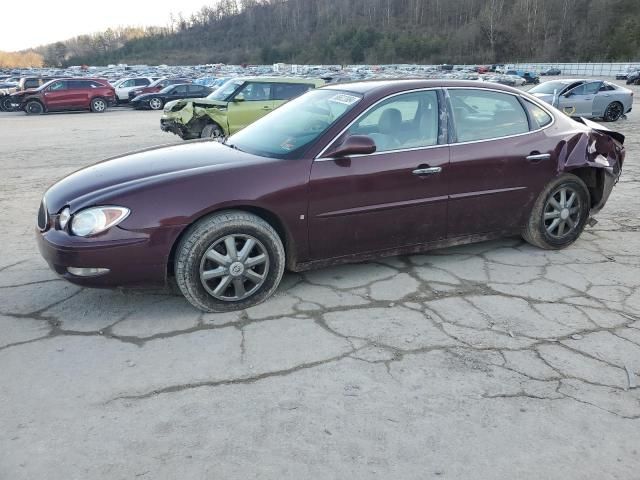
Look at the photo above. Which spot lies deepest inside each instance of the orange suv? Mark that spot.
(93, 94)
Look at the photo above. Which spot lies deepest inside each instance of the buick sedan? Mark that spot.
(344, 173)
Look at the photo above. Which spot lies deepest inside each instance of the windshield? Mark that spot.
(225, 90)
(296, 124)
(549, 87)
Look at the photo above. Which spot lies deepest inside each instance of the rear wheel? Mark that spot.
(214, 131)
(559, 215)
(613, 112)
(98, 105)
(33, 107)
(5, 103)
(156, 103)
(229, 261)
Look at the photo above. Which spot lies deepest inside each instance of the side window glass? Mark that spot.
(141, 82)
(287, 91)
(194, 88)
(180, 90)
(127, 84)
(403, 121)
(539, 117)
(483, 114)
(58, 86)
(256, 92)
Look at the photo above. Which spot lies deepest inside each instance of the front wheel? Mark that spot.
(559, 214)
(214, 131)
(229, 261)
(613, 112)
(33, 108)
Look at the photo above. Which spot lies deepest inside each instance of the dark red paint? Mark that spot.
(327, 210)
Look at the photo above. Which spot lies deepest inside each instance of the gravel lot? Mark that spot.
(491, 361)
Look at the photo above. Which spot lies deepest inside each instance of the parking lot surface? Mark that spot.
(489, 361)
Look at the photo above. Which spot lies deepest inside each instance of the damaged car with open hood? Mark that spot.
(345, 173)
(236, 104)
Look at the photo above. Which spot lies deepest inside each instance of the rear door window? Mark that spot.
(484, 115)
(287, 91)
(539, 118)
(141, 82)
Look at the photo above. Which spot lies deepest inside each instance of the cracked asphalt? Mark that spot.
(490, 361)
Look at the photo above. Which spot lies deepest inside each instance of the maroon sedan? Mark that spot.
(340, 174)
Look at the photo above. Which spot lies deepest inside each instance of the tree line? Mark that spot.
(372, 31)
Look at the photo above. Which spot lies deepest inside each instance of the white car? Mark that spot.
(126, 84)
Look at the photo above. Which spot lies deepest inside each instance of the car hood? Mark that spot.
(103, 181)
(202, 102)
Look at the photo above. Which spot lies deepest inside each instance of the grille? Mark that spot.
(43, 217)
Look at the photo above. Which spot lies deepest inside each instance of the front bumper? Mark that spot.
(169, 125)
(132, 258)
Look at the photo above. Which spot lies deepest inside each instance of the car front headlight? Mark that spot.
(94, 220)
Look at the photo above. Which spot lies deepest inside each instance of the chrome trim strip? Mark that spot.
(381, 206)
(484, 192)
(535, 101)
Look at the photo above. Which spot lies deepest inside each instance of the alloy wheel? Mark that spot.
(98, 105)
(613, 112)
(562, 212)
(234, 267)
(155, 103)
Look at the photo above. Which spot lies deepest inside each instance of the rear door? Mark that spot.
(395, 197)
(500, 160)
(578, 102)
(79, 93)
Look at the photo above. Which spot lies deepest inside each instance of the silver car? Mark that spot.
(586, 98)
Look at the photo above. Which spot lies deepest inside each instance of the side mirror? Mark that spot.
(353, 145)
(239, 98)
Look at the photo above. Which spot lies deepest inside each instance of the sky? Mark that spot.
(50, 21)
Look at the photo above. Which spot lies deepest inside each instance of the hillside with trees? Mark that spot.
(373, 31)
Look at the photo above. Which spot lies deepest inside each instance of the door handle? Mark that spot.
(536, 157)
(266, 108)
(427, 171)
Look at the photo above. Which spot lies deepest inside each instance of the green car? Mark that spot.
(236, 104)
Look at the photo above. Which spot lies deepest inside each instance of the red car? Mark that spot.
(343, 173)
(156, 86)
(93, 94)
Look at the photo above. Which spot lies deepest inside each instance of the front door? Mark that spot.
(500, 161)
(578, 102)
(59, 96)
(250, 103)
(393, 198)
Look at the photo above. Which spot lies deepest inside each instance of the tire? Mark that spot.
(213, 130)
(204, 249)
(539, 229)
(156, 103)
(613, 112)
(5, 103)
(98, 105)
(33, 107)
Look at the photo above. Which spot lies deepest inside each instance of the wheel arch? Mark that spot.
(593, 179)
(267, 215)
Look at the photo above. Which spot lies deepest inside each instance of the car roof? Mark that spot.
(307, 81)
(387, 87)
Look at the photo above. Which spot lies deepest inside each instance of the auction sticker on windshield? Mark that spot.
(344, 99)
